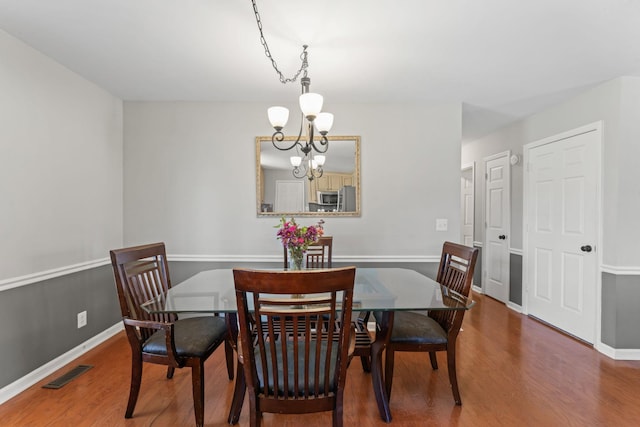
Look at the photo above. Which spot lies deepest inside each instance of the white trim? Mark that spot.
(466, 166)
(515, 307)
(477, 244)
(515, 251)
(618, 353)
(621, 270)
(472, 167)
(16, 282)
(477, 289)
(49, 368)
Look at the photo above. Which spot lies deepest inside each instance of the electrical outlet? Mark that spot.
(442, 224)
(82, 319)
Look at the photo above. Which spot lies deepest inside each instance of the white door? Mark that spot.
(497, 226)
(561, 232)
(289, 196)
(466, 206)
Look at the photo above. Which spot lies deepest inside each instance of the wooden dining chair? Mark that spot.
(318, 255)
(295, 358)
(141, 274)
(436, 330)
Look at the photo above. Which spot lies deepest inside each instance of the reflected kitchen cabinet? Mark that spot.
(329, 181)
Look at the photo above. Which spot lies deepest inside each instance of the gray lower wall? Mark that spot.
(515, 276)
(40, 320)
(620, 314)
(477, 272)
(515, 279)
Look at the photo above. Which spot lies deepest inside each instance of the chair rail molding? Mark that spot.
(620, 270)
(16, 282)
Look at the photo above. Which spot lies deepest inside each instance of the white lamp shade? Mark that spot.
(295, 161)
(323, 122)
(319, 159)
(314, 165)
(311, 104)
(278, 116)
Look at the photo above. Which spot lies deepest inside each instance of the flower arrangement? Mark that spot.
(297, 239)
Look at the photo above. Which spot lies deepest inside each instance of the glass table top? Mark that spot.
(375, 289)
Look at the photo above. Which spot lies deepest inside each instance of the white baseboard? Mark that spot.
(618, 353)
(42, 372)
(477, 289)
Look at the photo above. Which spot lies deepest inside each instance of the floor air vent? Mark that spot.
(75, 372)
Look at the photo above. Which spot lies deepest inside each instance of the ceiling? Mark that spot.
(502, 59)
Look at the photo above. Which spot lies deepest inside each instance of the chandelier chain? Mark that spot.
(267, 52)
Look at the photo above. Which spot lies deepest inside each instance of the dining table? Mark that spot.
(385, 290)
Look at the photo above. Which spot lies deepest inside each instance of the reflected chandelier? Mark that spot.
(305, 165)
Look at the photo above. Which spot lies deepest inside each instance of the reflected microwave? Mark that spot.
(328, 197)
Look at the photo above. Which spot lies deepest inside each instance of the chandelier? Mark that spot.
(305, 164)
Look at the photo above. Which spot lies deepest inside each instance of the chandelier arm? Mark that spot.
(278, 136)
(299, 172)
(323, 142)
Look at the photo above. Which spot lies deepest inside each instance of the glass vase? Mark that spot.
(296, 259)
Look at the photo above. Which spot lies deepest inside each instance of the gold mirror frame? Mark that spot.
(329, 179)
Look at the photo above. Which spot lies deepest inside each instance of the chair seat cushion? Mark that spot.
(301, 367)
(194, 337)
(417, 328)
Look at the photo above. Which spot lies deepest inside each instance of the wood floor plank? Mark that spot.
(512, 371)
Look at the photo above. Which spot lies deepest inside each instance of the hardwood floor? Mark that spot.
(512, 371)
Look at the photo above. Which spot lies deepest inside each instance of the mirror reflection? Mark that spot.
(327, 185)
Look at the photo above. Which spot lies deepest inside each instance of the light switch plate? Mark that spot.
(442, 224)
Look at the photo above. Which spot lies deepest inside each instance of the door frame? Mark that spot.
(592, 127)
(472, 167)
(485, 260)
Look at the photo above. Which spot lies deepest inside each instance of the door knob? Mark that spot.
(586, 248)
(502, 237)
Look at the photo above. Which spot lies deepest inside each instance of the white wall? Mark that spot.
(190, 179)
(60, 165)
(617, 104)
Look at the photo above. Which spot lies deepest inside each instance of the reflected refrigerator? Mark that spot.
(347, 199)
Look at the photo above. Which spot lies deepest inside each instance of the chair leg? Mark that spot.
(451, 366)
(366, 363)
(170, 371)
(197, 383)
(255, 417)
(238, 396)
(434, 360)
(229, 354)
(136, 380)
(338, 411)
(379, 391)
(388, 370)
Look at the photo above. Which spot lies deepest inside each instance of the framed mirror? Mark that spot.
(335, 193)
